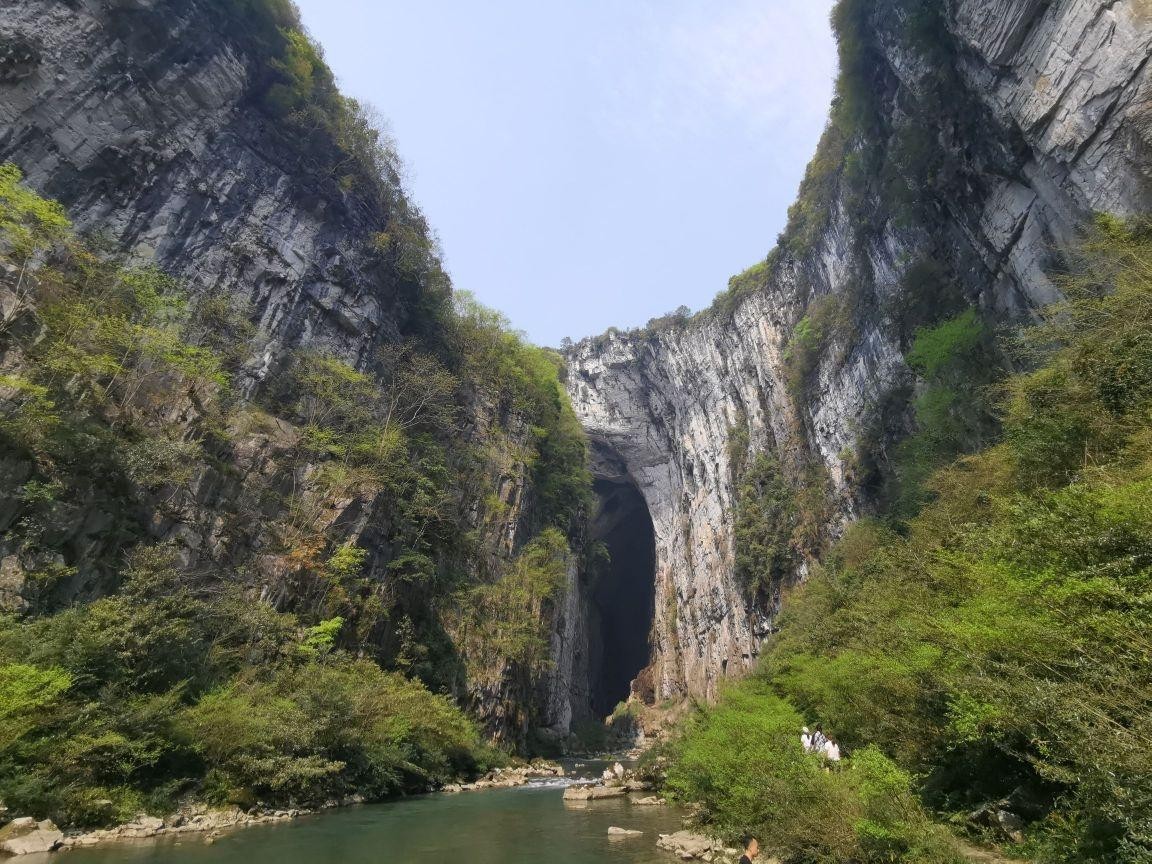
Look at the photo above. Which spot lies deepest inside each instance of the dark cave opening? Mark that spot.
(624, 592)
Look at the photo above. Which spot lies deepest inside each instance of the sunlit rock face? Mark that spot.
(143, 119)
(1064, 129)
(147, 120)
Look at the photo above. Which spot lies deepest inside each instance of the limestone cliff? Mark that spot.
(971, 135)
(190, 136)
(1003, 125)
(145, 119)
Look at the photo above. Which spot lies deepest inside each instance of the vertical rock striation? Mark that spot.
(1049, 121)
(148, 120)
(155, 123)
(145, 120)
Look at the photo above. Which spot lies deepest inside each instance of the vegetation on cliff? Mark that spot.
(994, 646)
(134, 670)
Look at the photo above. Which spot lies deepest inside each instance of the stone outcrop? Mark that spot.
(147, 120)
(1055, 123)
(189, 820)
(510, 778)
(688, 846)
(144, 120)
(26, 836)
(615, 782)
(593, 793)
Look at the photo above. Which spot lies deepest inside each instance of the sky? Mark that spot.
(592, 163)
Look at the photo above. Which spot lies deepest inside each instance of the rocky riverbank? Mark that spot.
(25, 835)
(196, 819)
(688, 846)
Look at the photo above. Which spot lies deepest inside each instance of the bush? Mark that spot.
(743, 761)
(996, 646)
(326, 728)
(763, 533)
(156, 679)
(953, 412)
(504, 620)
(136, 696)
(826, 322)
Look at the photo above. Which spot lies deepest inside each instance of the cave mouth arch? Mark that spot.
(623, 595)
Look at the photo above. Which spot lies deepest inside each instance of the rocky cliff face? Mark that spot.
(144, 119)
(1045, 119)
(159, 127)
(1001, 125)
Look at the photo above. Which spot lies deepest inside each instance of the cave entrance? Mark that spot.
(623, 598)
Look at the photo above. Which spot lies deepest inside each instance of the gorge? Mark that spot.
(324, 431)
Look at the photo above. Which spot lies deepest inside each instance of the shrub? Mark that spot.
(995, 647)
(505, 619)
(742, 760)
(763, 533)
(307, 733)
(165, 680)
(826, 322)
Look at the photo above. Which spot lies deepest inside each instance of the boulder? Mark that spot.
(142, 826)
(1011, 825)
(25, 835)
(613, 831)
(616, 772)
(997, 817)
(593, 793)
(689, 846)
(650, 801)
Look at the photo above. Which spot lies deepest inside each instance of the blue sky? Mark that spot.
(589, 163)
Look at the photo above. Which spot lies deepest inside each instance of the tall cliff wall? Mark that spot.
(975, 135)
(193, 135)
(146, 120)
(1034, 114)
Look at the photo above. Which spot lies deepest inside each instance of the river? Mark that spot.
(503, 826)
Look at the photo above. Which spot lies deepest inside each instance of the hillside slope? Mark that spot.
(233, 371)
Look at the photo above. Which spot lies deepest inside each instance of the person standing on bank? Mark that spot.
(819, 740)
(751, 850)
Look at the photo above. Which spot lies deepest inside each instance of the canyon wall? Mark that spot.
(169, 131)
(145, 120)
(1004, 123)
(1046, 119)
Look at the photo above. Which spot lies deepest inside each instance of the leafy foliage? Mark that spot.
(765, 521)
(996, 648)
(28, 223)
(742, 760)
(503, 621)
(157, 680)
(525, 379)
(825, 323)
(124, 702)
(958, 364)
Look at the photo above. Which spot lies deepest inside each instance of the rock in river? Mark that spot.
(593, 793)
(25, 835)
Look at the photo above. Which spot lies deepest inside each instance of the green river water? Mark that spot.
(504, 826)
